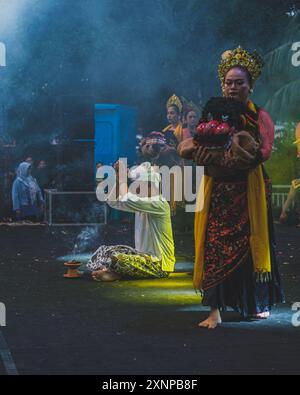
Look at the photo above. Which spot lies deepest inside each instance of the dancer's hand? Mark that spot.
(119, 166)
(202, 156)
(187, 148)
(121, 172)
(244, 146)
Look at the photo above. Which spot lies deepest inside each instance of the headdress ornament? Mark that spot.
(188, 106)
(251, 61)
(175, 101)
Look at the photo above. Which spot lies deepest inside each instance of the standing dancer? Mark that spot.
(235, 262)
(174, 131)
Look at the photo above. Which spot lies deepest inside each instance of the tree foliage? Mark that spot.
(284, 165)
(282, 78)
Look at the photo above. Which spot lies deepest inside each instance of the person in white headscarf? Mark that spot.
(153, 255)
(26, 194)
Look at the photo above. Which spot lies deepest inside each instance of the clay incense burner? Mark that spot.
(72, 269)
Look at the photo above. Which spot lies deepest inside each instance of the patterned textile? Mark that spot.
(228, 232)
(101, 259)
(241, 290)
(126, 261)
(138, 266)
(156, 138)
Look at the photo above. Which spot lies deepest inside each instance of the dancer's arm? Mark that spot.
(243, 154)
(288, 203)
(122, 199)
(267, 133)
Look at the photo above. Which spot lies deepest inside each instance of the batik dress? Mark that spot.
(227, 237)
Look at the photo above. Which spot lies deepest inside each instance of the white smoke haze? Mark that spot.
(133, 52)
(11, 13)
(85, 239)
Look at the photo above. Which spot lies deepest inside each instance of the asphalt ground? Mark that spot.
(60, 326)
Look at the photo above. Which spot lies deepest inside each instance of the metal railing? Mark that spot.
(48, 209)
(279, 195)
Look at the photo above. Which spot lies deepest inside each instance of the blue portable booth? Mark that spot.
(115, 136)
(115, 133)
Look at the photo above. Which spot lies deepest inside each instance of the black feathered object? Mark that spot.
(221, 118)
(219, 107)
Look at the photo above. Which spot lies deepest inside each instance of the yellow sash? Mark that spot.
(178, 132)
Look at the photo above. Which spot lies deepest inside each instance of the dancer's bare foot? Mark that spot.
(212, 321)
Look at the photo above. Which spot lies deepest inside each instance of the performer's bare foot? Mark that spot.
(105, 275)
(97, 273)
(212, 321)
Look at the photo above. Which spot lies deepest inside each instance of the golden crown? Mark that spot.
(175, 101)
(240, 57)
(188, 106)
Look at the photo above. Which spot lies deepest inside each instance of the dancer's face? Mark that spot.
(237, 84)
(192, 119)
(173, 115)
